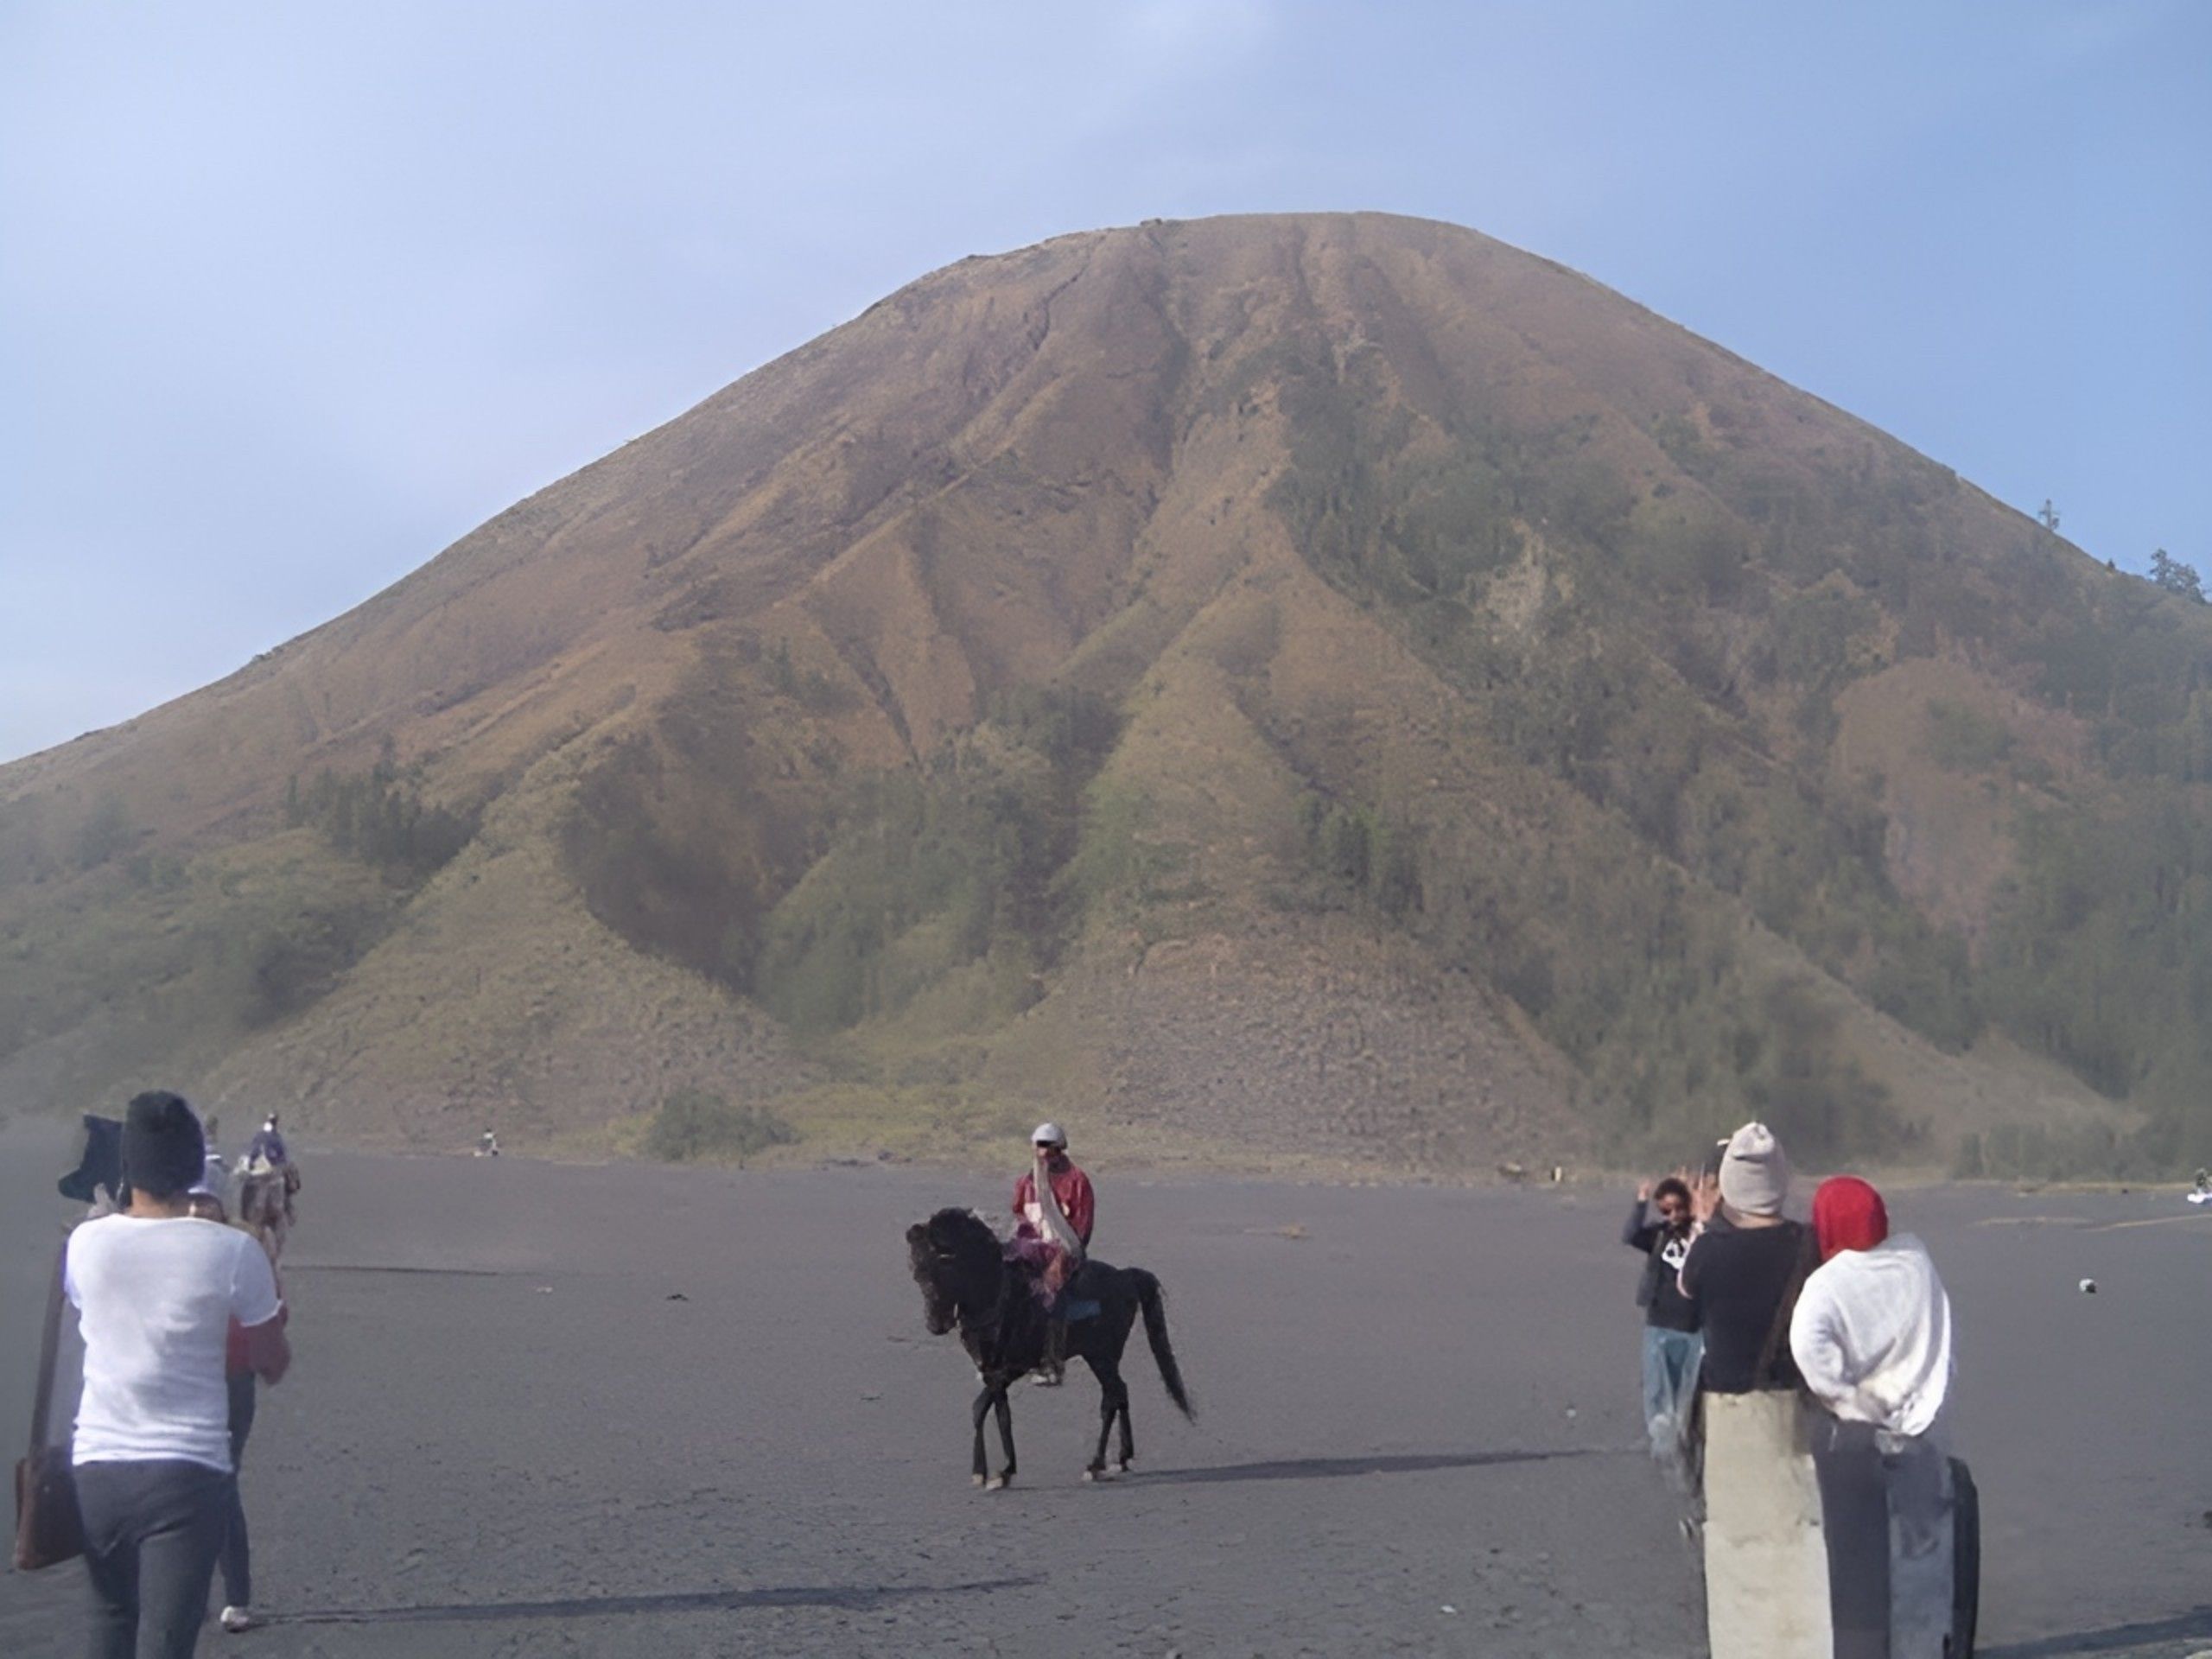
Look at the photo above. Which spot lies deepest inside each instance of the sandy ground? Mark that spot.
(544, 1409)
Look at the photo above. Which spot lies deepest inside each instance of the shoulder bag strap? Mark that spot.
(1778, 1334)
(42, 1402)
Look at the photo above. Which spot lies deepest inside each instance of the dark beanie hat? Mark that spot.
(163, 1152)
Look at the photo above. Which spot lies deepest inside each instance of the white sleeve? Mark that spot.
(253, 1285)
(69, 1271)
(1816, 1343)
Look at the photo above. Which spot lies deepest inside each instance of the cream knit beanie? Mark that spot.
(1754, 1175)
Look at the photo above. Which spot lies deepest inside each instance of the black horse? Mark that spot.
(966, 1281)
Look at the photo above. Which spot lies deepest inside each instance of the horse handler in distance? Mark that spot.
(1053, 1208)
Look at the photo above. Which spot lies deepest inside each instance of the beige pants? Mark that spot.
(1766, 1565)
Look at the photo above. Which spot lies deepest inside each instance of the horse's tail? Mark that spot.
(1153, 1301)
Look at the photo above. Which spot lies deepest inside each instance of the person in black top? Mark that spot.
(1659, 1226)
(1766, 1569)
(1744, 1268)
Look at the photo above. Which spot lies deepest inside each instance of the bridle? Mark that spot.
(983, 1324)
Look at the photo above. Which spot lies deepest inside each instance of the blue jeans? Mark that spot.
(1670, 1366)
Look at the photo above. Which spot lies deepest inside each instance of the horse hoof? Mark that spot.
(976, 1480)
(1094, 1474)
(995, 1484)
(1123, 1465)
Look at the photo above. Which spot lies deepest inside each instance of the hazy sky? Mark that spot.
(291, 296)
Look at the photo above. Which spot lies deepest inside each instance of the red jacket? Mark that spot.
(234, 1361)
(1070, 1187)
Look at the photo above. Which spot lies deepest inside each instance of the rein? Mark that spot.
(984, 1325)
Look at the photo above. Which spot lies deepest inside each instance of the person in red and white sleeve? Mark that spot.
(1053, 1208)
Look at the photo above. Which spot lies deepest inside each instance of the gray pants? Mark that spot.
(1887, 1510)
(152, 1531)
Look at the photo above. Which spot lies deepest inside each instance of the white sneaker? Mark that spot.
(238, 1618)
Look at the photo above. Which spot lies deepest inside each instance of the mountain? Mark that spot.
(1324, 688)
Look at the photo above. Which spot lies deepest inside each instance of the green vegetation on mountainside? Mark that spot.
(684, 835)
(209, 947)
(956, 864)
(697, 1124)
(958, 876)
(1675, 657)
(207, 950)
(380, 817)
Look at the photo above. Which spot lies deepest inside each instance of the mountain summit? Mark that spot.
(1329, 687)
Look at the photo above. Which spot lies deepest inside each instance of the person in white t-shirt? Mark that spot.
(156, 1291)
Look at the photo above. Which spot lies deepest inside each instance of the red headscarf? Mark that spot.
(1847, 1215)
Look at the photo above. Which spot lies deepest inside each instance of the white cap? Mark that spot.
(1049, 1135)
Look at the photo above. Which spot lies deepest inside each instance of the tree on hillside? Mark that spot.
(2175, 577)
(107, 832)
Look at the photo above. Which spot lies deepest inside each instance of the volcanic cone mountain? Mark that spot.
(1327, 686)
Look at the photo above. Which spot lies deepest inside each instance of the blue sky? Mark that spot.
(291, 296)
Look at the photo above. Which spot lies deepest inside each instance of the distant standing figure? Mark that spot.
(1766, 1580)
(1659, 1225)
(488, 1146)
(156, 1291)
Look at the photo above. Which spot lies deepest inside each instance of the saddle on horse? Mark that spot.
(1057, 1283)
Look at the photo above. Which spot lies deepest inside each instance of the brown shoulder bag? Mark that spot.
(48, 1528)
(1778, 1334)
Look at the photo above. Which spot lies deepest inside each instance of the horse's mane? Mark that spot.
(961, 1232)
(955, 1219)
(955, 1244)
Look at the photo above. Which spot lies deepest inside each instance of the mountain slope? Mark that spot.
(1333, 685)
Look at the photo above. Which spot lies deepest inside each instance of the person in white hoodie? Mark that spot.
(1871, 1337)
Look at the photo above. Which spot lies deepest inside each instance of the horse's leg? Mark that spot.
(982, 1409)
(1006, 1438)
(1108, 1383)
(1129, 1438)
(1120, 1397)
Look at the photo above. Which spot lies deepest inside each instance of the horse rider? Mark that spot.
(267, 1151)
(268, 1144)
(1054, 1207)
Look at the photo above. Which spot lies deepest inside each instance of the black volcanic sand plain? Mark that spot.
(553, 1409)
